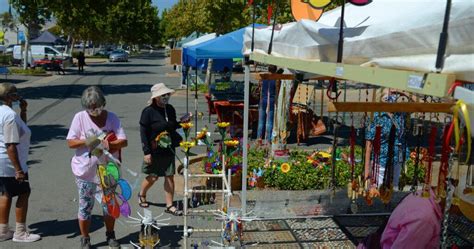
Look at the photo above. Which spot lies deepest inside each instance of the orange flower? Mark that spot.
(162, 134)
(231, 143)
(186, 126)
(202, 134)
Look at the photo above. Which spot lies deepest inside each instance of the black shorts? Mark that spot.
(12, 187)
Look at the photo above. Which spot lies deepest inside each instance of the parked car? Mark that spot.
(3, 49)
(9, 49)
(38, 52)
(103, 52)
(118, 55)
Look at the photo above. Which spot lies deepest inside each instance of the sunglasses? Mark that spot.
(16, 95)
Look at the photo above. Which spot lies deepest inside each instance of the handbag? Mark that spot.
(317, 126)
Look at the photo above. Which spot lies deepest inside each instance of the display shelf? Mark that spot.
(389, 107)
(434, 84)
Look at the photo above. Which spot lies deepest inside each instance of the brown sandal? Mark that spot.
(142, 201)
(174, 211)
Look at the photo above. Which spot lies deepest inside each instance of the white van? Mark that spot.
(38, 52)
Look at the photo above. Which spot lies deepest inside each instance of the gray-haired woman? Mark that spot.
(14, 146)
(92, 121)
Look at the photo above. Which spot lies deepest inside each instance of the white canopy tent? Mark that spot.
(385, 33)
(200, 39)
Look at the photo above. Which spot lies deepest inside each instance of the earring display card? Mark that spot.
(265, 225)
(275, 246)
(320, 234)
(311, 223)
(329, 244)
(268, 237)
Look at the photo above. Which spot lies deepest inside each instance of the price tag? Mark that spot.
(339, 71)
(415, 82)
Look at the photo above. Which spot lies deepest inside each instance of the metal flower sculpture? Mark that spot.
(148, 236)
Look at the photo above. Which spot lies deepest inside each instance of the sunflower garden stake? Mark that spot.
(186, 146)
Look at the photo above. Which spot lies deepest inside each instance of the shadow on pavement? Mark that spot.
(169, 237)
(126, 65)
(75, 91)
(65, 227)
(13, 81)
(120, 73)
(42, 133)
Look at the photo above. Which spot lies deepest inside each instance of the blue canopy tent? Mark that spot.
(221, 49)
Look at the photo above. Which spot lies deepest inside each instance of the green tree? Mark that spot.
(134, 21)
(8, 22)
(32, 14)
(82, 19)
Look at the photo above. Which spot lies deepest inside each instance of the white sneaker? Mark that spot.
(26, 237)
(8, 235)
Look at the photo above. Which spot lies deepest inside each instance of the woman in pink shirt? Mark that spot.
(94, 120)
(415, 223)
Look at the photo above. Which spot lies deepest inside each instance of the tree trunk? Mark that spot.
(66, 49)
(27, 47)
(207, 82)
(72, 44)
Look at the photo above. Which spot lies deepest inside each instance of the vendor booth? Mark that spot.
(222, 50)
(393, 45)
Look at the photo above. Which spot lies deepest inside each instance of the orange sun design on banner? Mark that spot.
(313, 9)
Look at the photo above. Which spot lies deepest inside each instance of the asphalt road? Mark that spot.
(53, 102)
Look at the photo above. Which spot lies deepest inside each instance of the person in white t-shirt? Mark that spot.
(14, 146)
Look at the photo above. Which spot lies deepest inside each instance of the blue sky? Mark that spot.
(162, 4)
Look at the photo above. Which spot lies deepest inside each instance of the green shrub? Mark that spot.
(6, 59)
(28, 71)
(408, 172)
(304, 175)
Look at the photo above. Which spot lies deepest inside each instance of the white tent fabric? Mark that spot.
(402, 34)
(199, 40)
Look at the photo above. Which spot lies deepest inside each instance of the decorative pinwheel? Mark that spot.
(108, 171)
(233, 224)
(148, 236)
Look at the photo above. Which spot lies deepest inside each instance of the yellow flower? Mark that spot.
(164, 133)
(223, 124)
(187, 145)
(187, 125)
(231, 143)
(202, 134)
(285, 168)
(323, 154)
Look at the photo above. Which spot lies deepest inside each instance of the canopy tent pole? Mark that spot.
(243, 197)
(196, 102)
(187, 91)
(443, 39)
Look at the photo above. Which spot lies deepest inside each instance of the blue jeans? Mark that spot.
(266, 110)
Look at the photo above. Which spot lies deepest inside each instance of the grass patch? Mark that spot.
(28, 71)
